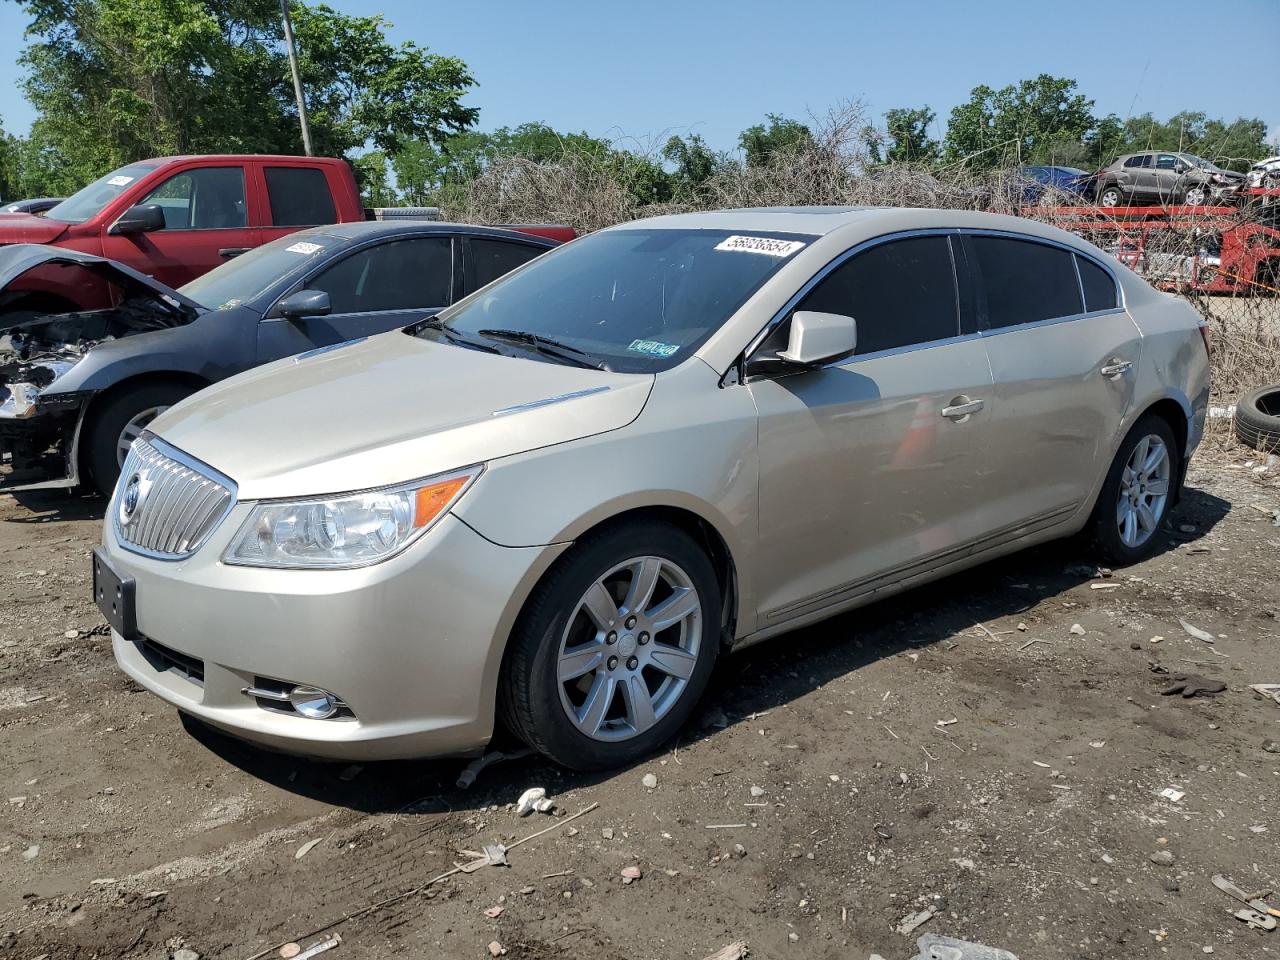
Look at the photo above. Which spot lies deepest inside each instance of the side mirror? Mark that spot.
(141, 218)
(305, 303)
(818, 338)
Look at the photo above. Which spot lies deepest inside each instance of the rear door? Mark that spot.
(373, 289)
(1141, 172)
(295, 197)
(867, 469)
(1064, 355)
(206, 220)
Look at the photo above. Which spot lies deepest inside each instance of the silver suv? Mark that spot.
(1158, 177)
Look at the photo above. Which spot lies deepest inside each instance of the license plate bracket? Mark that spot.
(115, 596)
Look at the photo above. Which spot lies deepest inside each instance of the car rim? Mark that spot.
(1144, 491)
(133, 429)
(629, 649)
(1195, 197)
(1110, 199)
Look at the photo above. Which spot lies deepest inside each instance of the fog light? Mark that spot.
(313, 702)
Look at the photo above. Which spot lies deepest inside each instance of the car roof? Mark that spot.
(820, 221)
(371, 229)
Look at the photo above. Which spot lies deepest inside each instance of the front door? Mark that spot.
(1064, 356)
(874, 466)
(206, 221)
(374, 289)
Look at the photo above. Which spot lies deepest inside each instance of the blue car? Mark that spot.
(1064, 179)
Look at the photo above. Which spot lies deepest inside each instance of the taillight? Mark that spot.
(1207, 336)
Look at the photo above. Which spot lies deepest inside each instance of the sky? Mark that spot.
(641, 70)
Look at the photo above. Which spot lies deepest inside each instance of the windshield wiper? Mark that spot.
(548, 346)
(435, 323)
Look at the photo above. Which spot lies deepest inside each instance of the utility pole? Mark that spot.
(297, 77)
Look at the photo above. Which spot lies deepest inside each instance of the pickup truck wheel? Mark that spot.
(1137, 493)
(1110, 196)
(111, 429)
(614, 649)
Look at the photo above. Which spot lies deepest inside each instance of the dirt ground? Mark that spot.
(964, 748)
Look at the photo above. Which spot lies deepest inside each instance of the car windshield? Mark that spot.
(635, 300)
(236, 281)
(84, 204)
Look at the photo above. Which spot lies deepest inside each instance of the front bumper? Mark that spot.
(412, 646)
(41, 451)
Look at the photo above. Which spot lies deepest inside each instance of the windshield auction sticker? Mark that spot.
(120, 181)
(654, 348)
(303, 247)
(766, 245)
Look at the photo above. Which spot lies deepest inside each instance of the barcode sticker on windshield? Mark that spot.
(303, 247)
(120, 181)
(766, 245)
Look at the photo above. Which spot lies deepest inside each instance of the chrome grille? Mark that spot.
(166, 503)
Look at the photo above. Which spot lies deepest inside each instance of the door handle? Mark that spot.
(961, 408)
(1115, 367)
(229, 252)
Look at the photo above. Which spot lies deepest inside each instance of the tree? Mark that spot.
(908, 136)
(1036, 121)
(695, 163)
(117, 80)
(1234, 145)
(761, 142)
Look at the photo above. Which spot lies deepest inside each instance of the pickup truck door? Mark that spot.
(372, 289)
(206, 221)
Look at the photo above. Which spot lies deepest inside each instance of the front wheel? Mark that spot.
(1197, 195)
(615, 648)
(113, 427)
(1138, 492)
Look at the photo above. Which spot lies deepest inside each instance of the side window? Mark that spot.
(1141, 160)
(901, 293)
(487, 260)
(207, 198)
(1166, 161)
(299, 197)
(1099, 287)
(1019, 281)
(399, 275)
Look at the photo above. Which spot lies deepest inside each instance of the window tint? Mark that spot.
(901, 293)
(490, 259)
(1141, 160)
(207, 198)
(1099, 287)
(1166, 161)
(299, 197)
(399, 275)
(1018, 281)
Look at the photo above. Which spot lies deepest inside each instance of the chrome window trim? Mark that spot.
(1048, 242)
(191, 463)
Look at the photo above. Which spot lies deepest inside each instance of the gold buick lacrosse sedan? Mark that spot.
(554, 505)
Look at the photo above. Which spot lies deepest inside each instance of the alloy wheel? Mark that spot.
(1144, 491)
(629, 648)
(133, 429)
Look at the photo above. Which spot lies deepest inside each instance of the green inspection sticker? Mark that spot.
(654, 348)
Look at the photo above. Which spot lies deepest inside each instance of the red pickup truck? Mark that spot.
(178, 217)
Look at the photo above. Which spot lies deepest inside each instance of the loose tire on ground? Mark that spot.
(1257, 419)
(101, 437)
(533, 694)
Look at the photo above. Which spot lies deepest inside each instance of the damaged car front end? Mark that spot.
(56, 306)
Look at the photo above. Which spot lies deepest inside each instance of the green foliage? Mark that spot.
(693, 162)
(117, 80)
(908, 136)
(1233, 145)
(1032, 122)
(763, 142)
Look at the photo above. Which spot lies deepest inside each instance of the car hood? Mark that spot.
(389, 409)
(17, 258)
(26, 228)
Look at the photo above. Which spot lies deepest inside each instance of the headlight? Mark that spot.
(345, 531)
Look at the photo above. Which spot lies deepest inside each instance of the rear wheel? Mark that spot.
(1138, 492)
(1110, 196)
(615, 649)
(112, 429)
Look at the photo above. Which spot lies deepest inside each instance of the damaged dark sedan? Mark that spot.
(77, 386)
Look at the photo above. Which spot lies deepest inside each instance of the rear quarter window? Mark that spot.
(1021, 281)
(1099, 287)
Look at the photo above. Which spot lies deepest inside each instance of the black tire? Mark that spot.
(106, 422)
(529, 691)
(1257, 419)
(1111, 188)
(1201, 190)
(1106, 531)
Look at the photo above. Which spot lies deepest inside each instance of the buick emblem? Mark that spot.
(130, 498)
